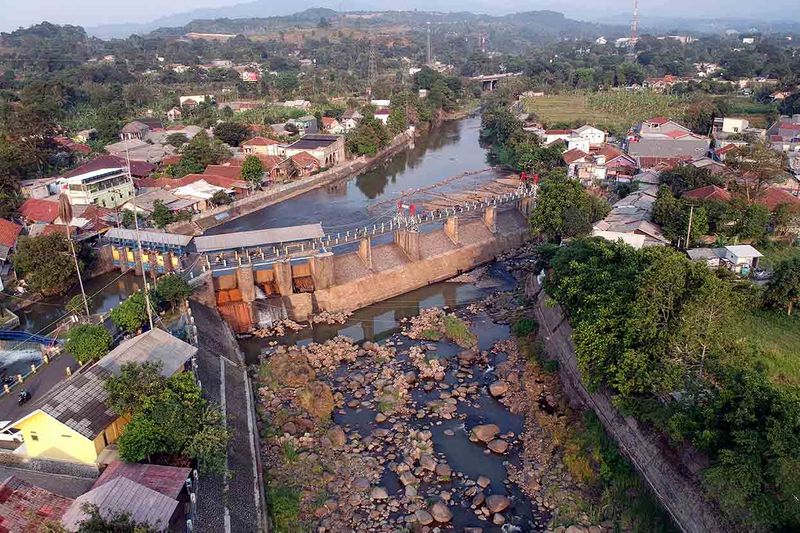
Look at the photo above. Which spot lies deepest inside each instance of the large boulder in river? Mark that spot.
(317, 399)
(291, 369)
(498, 446)
(497, 503)
(440, 512)
(498, 388)
(336, 436)
(484, 433)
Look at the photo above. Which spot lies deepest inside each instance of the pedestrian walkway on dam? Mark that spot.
(235, 504)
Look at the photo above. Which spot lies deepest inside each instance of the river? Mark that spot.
(450, 149)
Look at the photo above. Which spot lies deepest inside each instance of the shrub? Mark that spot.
(88, 342)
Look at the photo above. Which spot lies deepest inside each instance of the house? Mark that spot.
(773, 197)
(72, 422)
(26, 508)
(106, 187)
(297, 104)
(200, 192)
(174, 114)
(9, 232)
(709, 193)
(784, 134)
(382, 114)
(304, 164)
(619, 165)
(136, 150)
(327, 149)
(730, 125)
(742, 257)
(712, 257)
(305, 124)
(332, 126)
(192, 101)
(40, 187)
(34, 210)
(124, 496)
(261, 145)
(133, 130)
(629, 220)
(145, 203)
(71, 146)
(661, 139)
(351, 119)
(380, 103)
(586, 167)
(595, 136)
(663, 84)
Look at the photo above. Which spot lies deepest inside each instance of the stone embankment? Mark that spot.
(278, 193)
(673, 477)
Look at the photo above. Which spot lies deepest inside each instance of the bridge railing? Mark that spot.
(265, 255)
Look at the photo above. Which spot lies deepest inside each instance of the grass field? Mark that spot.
(778, 337)
(615, 111)
(774, 254)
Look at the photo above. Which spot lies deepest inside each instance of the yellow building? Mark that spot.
(72, 422)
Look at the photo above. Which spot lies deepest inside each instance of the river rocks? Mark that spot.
(498, 519)
(423, 517)
(443, 470)
(427, 462)
(478, 500)
(291, 369)
(336, 436)
(498, 388)
(380, 418)
(361, 484)
(473, 530)
(497, 503)
(379, 493)
(440, 512)
(317, 399)
(484, 432)
(498, 446)
(483, 482)
(407, 478)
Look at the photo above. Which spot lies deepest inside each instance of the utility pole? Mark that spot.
(429, 44)
(65, 213)
(689, 229)
(372, 70)
(138, 238)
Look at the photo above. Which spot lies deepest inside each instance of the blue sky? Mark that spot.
(17, 13)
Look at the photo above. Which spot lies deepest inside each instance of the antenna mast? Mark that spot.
(372, 70)
(634, 29)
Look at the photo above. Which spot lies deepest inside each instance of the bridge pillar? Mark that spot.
(322, 270)
(451, 229)
(283, 277)
(365, 252)
(490, 218)
(525, 206)
(408, 241)
(246, 283)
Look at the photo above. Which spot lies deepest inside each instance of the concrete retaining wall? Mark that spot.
(672, 475)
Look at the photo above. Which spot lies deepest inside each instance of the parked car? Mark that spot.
(8, 434)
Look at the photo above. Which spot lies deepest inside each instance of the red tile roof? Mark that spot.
(773, 197)
(383, 111)
(259, 141)
(9, 232)
(305, 160)
(610, 152)
(658, 120)
(168, 480)
(709, 192)
(169, 183)
(725, 149)
(25, 507)
(171, 160)
(652, 162)
(677, 134)
(327, 122)
(37, 210)
(55, 228)
(233, 172)
(570, 156)
(138, 168)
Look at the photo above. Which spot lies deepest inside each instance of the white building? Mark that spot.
(595, 136)
(105, 187)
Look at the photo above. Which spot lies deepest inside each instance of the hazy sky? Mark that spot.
(17, 13)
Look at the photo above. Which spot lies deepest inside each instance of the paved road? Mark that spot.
(238, 505)
(37, 384)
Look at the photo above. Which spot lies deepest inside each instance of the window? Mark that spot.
(34, 436)
(67, 436)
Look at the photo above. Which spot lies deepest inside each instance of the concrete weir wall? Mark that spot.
(372, 274)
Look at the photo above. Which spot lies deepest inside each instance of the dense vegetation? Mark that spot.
(660, 332)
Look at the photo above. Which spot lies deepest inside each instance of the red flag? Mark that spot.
(523, 177)
(536, 179)
(412, 210)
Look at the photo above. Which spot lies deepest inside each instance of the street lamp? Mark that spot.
(65, 213)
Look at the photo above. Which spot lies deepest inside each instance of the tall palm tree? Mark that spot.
(65, 213)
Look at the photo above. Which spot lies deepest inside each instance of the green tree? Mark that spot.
(161, 215)
(758, 166)
(75, 305)
(397, 121)
(564, 209)
(172, 289)
(88, 342)
(783, 290)
(753, 222)
(200, 152)
(116, 523)
(253, 171)
(177, 139)
(220, 198)
(168, 415)
(368, 137)
(45, 262)
(231, 133)
(131, 314)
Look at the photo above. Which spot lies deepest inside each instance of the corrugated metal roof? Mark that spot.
(154, 346)
(254, 239)
(149, 236)
(121, 495)
(168, 480)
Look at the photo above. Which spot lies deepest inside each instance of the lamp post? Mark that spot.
(65, 213)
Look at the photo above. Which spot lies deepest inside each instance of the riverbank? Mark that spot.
(279, 193)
